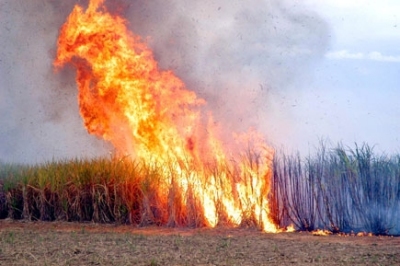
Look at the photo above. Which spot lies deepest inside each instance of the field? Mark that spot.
(338, 189)
(110, 212)
(62, 243)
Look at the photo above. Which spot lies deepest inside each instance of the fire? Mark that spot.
(149, 114)
(321, 232)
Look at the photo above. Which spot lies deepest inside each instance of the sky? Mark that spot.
(298, 71)
(354, 95)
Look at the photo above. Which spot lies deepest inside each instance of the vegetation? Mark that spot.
(340, 189)
(102, 190)
(106, 190)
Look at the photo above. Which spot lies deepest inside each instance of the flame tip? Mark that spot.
(126, 99)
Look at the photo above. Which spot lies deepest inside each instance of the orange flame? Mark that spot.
(126, 99)
(321, 232)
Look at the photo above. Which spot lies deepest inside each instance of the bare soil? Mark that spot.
(62, 243)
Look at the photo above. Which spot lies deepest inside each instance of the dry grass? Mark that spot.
(61, 243)
(119, 190)
(340, 190)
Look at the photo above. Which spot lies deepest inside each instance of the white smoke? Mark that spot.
(39, 113)
(242, 57)
(247, 60)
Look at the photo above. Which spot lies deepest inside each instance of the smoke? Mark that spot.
(39, 113)
(246, 60)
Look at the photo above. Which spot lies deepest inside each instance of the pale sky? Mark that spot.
(354, 95)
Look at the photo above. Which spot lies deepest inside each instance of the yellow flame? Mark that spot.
(126, 99)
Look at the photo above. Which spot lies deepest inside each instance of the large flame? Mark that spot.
(149, 114)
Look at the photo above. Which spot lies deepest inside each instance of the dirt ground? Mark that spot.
(61, 243)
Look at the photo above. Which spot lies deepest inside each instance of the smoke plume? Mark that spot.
(246, 60)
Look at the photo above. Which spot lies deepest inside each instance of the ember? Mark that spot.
(321, 232)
